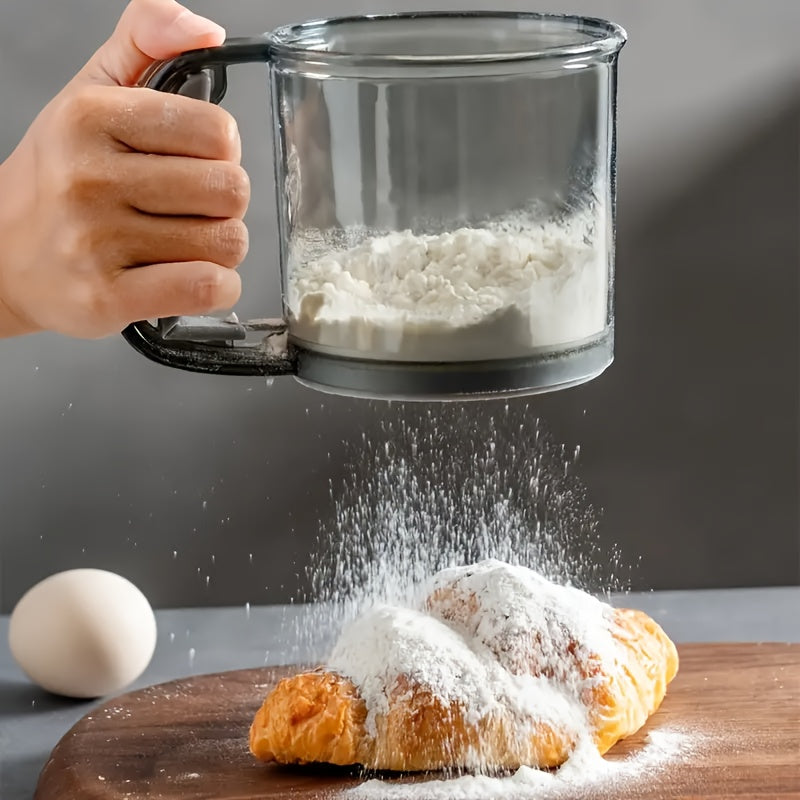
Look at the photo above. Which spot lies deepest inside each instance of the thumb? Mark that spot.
(148, 30)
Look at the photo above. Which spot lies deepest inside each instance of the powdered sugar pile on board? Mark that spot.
(585, 774)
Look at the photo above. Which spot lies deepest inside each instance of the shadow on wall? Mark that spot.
(693, 447)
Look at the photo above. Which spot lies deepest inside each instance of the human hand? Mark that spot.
(122, 204)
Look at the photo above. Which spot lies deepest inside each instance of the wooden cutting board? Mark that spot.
(187, 740)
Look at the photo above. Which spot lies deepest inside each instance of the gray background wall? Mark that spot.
(689, 443)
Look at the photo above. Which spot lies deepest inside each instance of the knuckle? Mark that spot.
(232, 183)
(240, 191)
(85, 183)
(228, 179)
(230, 241)
(77, 246)
(224, 134)
(81, 108)
(207, 290)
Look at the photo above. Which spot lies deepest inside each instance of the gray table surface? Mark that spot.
(196, 641)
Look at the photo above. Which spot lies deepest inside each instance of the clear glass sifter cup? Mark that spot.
(446, 202)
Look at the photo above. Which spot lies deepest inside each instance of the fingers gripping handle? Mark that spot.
(207, 344)
(172, 75)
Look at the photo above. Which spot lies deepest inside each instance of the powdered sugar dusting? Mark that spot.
(514, 608)
(389, 642)
(495, 639)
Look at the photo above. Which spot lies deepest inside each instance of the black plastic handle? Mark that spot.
(209, 344)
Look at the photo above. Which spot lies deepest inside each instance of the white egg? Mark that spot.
(83, 633)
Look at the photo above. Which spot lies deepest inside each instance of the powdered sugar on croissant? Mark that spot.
(500, 668)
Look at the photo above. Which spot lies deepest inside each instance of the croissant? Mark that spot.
(497, 669)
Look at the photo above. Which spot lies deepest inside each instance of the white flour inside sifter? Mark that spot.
(500, 291)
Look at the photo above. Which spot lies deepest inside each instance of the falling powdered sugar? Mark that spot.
(445, 485)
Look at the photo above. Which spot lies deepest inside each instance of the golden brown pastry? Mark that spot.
(499, 668)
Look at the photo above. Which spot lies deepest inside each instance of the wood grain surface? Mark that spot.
(738, 703)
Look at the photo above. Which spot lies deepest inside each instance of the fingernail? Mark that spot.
(192, 24)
